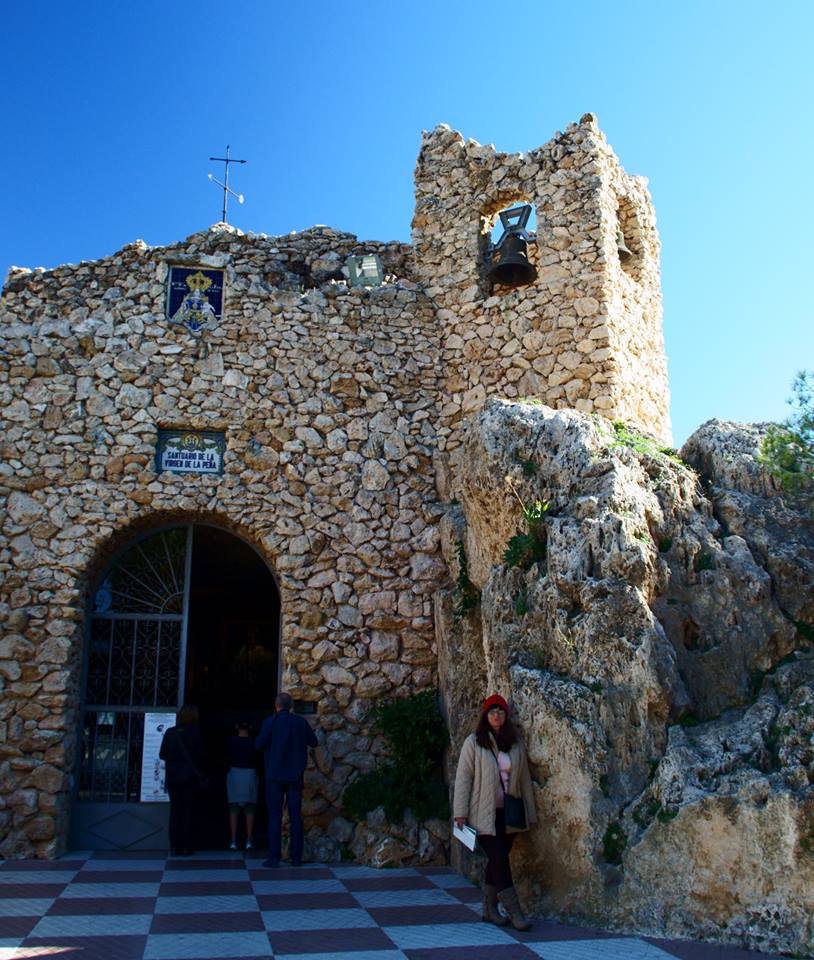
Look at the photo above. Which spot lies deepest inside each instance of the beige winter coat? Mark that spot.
(476, 785)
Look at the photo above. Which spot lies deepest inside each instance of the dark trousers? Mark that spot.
(182, 800)
(278, 791)
(498, 870)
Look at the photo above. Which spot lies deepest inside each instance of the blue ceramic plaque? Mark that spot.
(195, 298)
(190, 451)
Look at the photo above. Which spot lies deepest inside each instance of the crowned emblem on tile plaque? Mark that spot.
(190, 451)
(195, 297)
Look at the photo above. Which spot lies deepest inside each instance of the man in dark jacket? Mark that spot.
(285, 739)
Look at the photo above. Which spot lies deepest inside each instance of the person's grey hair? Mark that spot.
(284, 700)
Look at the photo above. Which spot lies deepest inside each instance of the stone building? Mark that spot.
(204, 502)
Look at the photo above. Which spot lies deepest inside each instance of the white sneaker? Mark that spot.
(233, 845)
(249, 845)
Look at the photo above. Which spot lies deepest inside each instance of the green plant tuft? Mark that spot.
(667, 814)
(468, 595)
(704, 561)
(665, 543)
(625, 436)
(521, 605)
(416, 735)
(540, 660)
(526, 549)
(614, 843)
(787, 450)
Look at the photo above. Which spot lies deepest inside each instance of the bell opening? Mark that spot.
(507, 256)
(496, 229)
(629, 248)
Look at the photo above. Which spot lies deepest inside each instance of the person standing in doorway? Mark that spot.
(182, 750)
(241, 782)
(284, 739)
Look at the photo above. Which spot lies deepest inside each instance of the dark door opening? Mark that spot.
(187, 613)
(232, 660)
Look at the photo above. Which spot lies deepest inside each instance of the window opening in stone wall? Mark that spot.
(510, 234)
(628, 239)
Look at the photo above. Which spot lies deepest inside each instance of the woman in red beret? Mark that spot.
(493, 794)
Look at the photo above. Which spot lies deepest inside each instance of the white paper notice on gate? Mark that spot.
(153, 789)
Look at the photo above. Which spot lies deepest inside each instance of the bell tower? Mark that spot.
(579, 325)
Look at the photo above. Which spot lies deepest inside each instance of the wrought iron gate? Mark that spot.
(134, 664)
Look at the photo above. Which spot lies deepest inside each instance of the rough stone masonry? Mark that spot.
(340, 408)
(657, 655)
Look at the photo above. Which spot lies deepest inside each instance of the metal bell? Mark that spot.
(509, 264)
(621, 246)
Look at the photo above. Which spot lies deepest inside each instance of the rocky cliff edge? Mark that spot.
(656, 641)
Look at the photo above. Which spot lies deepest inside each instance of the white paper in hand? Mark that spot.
(466, 834)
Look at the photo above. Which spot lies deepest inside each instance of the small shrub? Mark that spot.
(540, 661)
(596, 687)
(625, 436)
(416, 735)
(526, 549)
(665, 543)
(704, 561)
(529, 467)
(468, 595)
(667, 814)
(604, 785)
(614, 843)
(521, 605)
(787, 449)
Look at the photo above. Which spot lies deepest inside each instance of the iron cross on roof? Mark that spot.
(226, 188)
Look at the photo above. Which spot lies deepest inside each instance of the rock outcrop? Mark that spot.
(659, 661)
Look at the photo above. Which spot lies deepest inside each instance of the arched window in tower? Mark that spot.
(507, 257)
(629, 238)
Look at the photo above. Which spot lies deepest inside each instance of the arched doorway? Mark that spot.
(188, 613)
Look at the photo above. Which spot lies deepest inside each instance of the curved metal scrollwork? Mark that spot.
(134, 660)
(148, 578)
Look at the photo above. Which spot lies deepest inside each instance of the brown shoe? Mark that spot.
(490, 913)
(511, 905)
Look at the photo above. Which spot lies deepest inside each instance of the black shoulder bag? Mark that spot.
(513, 807)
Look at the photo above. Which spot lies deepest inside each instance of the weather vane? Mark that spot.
(226, 188)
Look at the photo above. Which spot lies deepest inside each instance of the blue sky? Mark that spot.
(111, 111)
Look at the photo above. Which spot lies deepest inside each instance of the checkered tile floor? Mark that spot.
(107, 906)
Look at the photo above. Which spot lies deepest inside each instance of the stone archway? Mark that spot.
(187, 611)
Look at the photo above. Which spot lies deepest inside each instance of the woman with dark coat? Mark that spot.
(182, 751)
(493, 776)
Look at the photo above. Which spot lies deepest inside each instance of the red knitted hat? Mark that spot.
(494, 701)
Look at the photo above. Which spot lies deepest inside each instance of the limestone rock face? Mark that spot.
(657, 660)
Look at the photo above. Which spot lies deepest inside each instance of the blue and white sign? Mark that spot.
(190, 451)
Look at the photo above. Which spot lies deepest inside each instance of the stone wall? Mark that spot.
(586, 334)
(340, 408)
(328, 399)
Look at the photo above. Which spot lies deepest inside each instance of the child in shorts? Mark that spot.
(241, 782)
